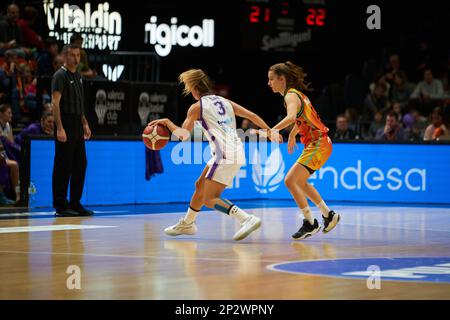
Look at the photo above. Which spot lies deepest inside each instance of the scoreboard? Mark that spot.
(282, 25)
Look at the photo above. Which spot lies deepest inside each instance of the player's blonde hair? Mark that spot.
(195, 79)
(295, 75)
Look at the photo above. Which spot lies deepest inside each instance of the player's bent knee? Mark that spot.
(303, 184)
(289, 182)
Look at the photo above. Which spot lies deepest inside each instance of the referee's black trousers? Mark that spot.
(69, 164)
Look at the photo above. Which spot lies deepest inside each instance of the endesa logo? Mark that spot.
(361, 177)
(164, 36)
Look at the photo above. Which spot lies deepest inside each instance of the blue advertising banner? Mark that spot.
(355, 172)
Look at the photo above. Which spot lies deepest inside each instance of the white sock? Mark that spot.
(308, 214)
(238, 213)
(323, 207)
(190, 215)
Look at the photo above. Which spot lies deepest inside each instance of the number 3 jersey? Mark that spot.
(219, 125)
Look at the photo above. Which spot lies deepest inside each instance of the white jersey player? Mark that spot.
(217, 117)
(219, 125)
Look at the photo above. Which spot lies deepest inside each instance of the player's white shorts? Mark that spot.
(223, 171)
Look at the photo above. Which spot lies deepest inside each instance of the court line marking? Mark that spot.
(390, 227)
(135, 257)
(46, 213)
(59, 227)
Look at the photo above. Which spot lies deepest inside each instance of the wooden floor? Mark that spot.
(129, 257)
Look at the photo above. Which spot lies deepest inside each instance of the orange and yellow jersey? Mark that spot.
(308, 121)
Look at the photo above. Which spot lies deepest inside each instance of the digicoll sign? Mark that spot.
(164, 36)
(354, 172)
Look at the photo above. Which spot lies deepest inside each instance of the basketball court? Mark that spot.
(375, 252)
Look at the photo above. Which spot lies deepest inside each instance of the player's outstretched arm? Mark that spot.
(291, 106)
(183, 133)
(242, 112)
(294, 132)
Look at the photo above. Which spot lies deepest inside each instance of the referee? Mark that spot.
(72, 129)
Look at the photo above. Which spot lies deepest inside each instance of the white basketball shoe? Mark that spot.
(181, 228)
(248, 225)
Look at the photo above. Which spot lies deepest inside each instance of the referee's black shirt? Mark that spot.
(70, 85)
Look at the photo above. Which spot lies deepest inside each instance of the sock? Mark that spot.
(308, 214)
(219, 206)
(323, 207)
(190, 215)
(237, 212)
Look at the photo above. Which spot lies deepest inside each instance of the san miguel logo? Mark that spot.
(100, 28)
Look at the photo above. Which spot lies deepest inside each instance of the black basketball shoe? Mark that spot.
(330, 222)
(66, 212)
(307, 230)
(82, 211)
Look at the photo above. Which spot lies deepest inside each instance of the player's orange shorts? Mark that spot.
(316, 153)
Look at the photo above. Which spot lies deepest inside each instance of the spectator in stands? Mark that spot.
(47, 108)
(47, 58)
(428, 92)
(10, 33)
(376, 125)
(27, 89)
(353, 120)
(401, 89)
(83, 67)
(6, 138)
(392, 130)
(58, 62)
(397, 109)
(437, 130)
(5, 119)
(416, 124)
(343, 132)
(424, 56)
(8, 80)
(13, 170)
(5, 182)
(380, 78)
(392, 67)
(45, 127)
(444, 76)
(376, 101)
(5, 79)
(31, 39)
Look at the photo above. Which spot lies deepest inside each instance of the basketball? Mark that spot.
(155, 137)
